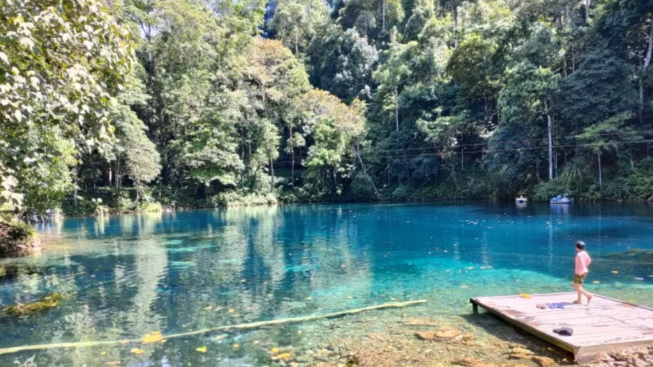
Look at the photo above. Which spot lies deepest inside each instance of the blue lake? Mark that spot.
(126, 276)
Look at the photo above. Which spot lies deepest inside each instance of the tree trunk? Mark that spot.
(455, 27)
(76, 188)
(242, 159)
(383, 16)
(396, 109)
(118, 174)
(587, 10)
(647, 62)
(271, 175)
(549, 128)
(641, 98)
(435, 156)
(455, 181)
(292, 169)
(360, 160)
(296, 45)
(600, 173)
(462, 159)
(292, 159)
(387, 174)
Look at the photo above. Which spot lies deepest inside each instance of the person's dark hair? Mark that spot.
(580, 245)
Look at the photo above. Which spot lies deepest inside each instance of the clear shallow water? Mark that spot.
(130, 275)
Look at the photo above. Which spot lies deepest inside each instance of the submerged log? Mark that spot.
(23, 309)
(247, 326)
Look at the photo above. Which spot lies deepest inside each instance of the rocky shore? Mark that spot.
(633, 357)
(18, 239)
(395, 339)
(398, 340)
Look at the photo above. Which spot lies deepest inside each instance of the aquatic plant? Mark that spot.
(633, 254)
(24, 309)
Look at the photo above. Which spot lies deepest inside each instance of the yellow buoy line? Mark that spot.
(246, 326)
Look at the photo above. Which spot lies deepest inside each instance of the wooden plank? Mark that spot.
(554, 314)
(597, 322)
(560, 343)
(607, 324)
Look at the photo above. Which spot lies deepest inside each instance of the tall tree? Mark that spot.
(609, 135)
(132, 146)
(342, 63)
(528, 96)
(336, 129)
(392, 74)
(372, 18)
(296, 23)
(55, 101)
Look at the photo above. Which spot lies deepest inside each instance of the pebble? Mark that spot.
(543, 361)
(522, 351)
(473, 362)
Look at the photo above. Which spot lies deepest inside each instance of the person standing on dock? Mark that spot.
(583, 261)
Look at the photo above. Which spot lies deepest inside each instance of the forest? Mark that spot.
(122, 105)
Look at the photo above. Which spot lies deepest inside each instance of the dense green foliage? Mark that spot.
(197, 103)
(59, 67)
(491, 98)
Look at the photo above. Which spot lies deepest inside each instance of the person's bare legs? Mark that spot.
(581, 292)
(586, 293)
(580, 297)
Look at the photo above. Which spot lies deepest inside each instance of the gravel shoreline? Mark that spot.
(633, 357)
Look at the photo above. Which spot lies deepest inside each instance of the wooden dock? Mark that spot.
(607, 325)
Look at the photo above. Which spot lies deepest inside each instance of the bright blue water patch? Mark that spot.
(174, 272)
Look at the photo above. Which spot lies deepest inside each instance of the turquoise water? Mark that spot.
(130, 275)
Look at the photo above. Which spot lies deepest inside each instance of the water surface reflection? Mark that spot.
(125, 276)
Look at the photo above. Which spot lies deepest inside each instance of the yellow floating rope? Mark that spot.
(251, 325)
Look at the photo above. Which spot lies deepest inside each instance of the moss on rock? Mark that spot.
(46, 303)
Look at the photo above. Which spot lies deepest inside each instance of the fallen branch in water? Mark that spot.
(247, 326)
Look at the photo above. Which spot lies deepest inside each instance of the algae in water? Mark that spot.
(23, 309)
(633, 254)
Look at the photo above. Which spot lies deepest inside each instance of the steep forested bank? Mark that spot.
(135, 103)
(478, 99)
